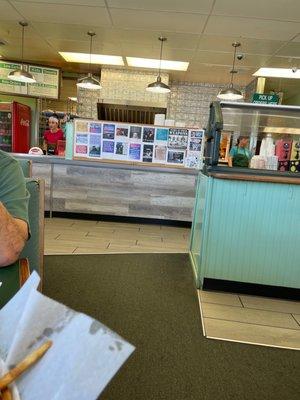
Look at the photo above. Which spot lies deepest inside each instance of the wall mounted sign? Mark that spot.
(46, 86)
(265, 98)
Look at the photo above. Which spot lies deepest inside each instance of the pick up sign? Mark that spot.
(265, 98)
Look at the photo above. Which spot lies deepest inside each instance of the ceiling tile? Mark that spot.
(288, 10)
(252, 28)
(8, 12)
(212, 57)
(131, 50)
(77, 46)
(291, 49)
(158, 21)
(248, 45)
(202, 6)
(142, 38)
(280, 62)
(94, 3)
(65, 14)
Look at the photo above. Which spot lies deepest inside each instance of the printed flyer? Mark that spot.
(147, 152)
(162, 134)
(108, 131)
(135, 151)
(178, 138)
(95, 146)
(135, 132)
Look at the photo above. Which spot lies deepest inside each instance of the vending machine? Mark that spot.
(15, 126)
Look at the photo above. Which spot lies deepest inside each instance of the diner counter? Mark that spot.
(109, 187)
(245, 227)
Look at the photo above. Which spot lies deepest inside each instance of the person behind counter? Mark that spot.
(52, 136)
(240, 155)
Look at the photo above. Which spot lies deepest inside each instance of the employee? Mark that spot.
(240, 155)
(52, 136)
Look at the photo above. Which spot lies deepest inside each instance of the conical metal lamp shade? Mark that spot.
(158, 87)
(89, 82)
(230, 93)
(20, 75)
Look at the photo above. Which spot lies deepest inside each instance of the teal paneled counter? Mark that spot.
(246, 228)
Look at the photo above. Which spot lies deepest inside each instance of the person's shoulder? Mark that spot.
(7, 159)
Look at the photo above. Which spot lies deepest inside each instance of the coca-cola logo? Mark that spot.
(24, 122)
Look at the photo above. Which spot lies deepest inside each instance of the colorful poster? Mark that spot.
(81, 126)
(160, 153)
(81, 138)
(135, 151)
(148, 152)
(135, 132)
(95, 127)
(195, 141)
(178, 138)
(108, 146)
(162, 134)
(148, 134)
(81, 150)
(192, 160)
(108, 131)
(121, 150)
(95, 146)
(175, 157)
(122, 132)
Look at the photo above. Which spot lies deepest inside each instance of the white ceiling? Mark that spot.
(198, 31)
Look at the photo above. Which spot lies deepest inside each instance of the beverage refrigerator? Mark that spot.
(15, 126)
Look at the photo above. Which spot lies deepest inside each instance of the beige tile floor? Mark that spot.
(72, 236)
(250, 319)
(225, 316)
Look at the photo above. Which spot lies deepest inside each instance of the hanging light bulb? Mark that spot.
(230, 93)
(89, 82)
(21, 75)
(158, 86)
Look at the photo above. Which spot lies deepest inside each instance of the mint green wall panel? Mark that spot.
(252, 234)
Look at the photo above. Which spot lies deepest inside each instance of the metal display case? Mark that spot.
(273, 131)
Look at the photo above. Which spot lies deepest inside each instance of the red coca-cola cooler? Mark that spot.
(15, 126)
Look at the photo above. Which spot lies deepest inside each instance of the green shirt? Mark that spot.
(240, 150)
(13, 193)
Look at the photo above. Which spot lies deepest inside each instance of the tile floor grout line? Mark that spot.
(201, 315)
(241, 301)
(252, 323)
(295, 319)
(249, 308)
(253, 343)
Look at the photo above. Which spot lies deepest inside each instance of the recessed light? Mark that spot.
(95, 59)
(154, 63)
(292, 73)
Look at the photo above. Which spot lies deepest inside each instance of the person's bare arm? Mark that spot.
(45, 146)
(229, 161)
(13, 235)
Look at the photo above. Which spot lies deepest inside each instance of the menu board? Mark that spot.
(138, 143)
(47, 82)
(7, 85)
(46, 86)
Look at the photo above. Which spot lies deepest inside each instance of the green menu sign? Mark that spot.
(265, 98)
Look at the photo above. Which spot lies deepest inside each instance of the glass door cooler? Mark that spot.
(15, 126)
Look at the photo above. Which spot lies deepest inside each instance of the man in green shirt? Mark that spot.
(14, 227)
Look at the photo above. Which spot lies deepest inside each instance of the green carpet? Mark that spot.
(150, 300)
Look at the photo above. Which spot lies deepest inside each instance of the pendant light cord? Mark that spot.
(22, 54)
(91, 41)
(160, 57)
(235, 45)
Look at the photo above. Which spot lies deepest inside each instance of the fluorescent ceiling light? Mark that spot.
(154, 63)
(95, 59)
(293, 73)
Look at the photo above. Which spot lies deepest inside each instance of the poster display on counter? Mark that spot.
(176, 157)
(46, 86)
(178, 138)
(149, 144)
(94, 146)
(135, 151)
(147, 152)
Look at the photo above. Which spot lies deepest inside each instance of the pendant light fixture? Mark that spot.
(230, 93)
(89, 82)
(20, 75)
(158, 86)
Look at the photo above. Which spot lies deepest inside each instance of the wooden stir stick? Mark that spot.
(22, 366)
